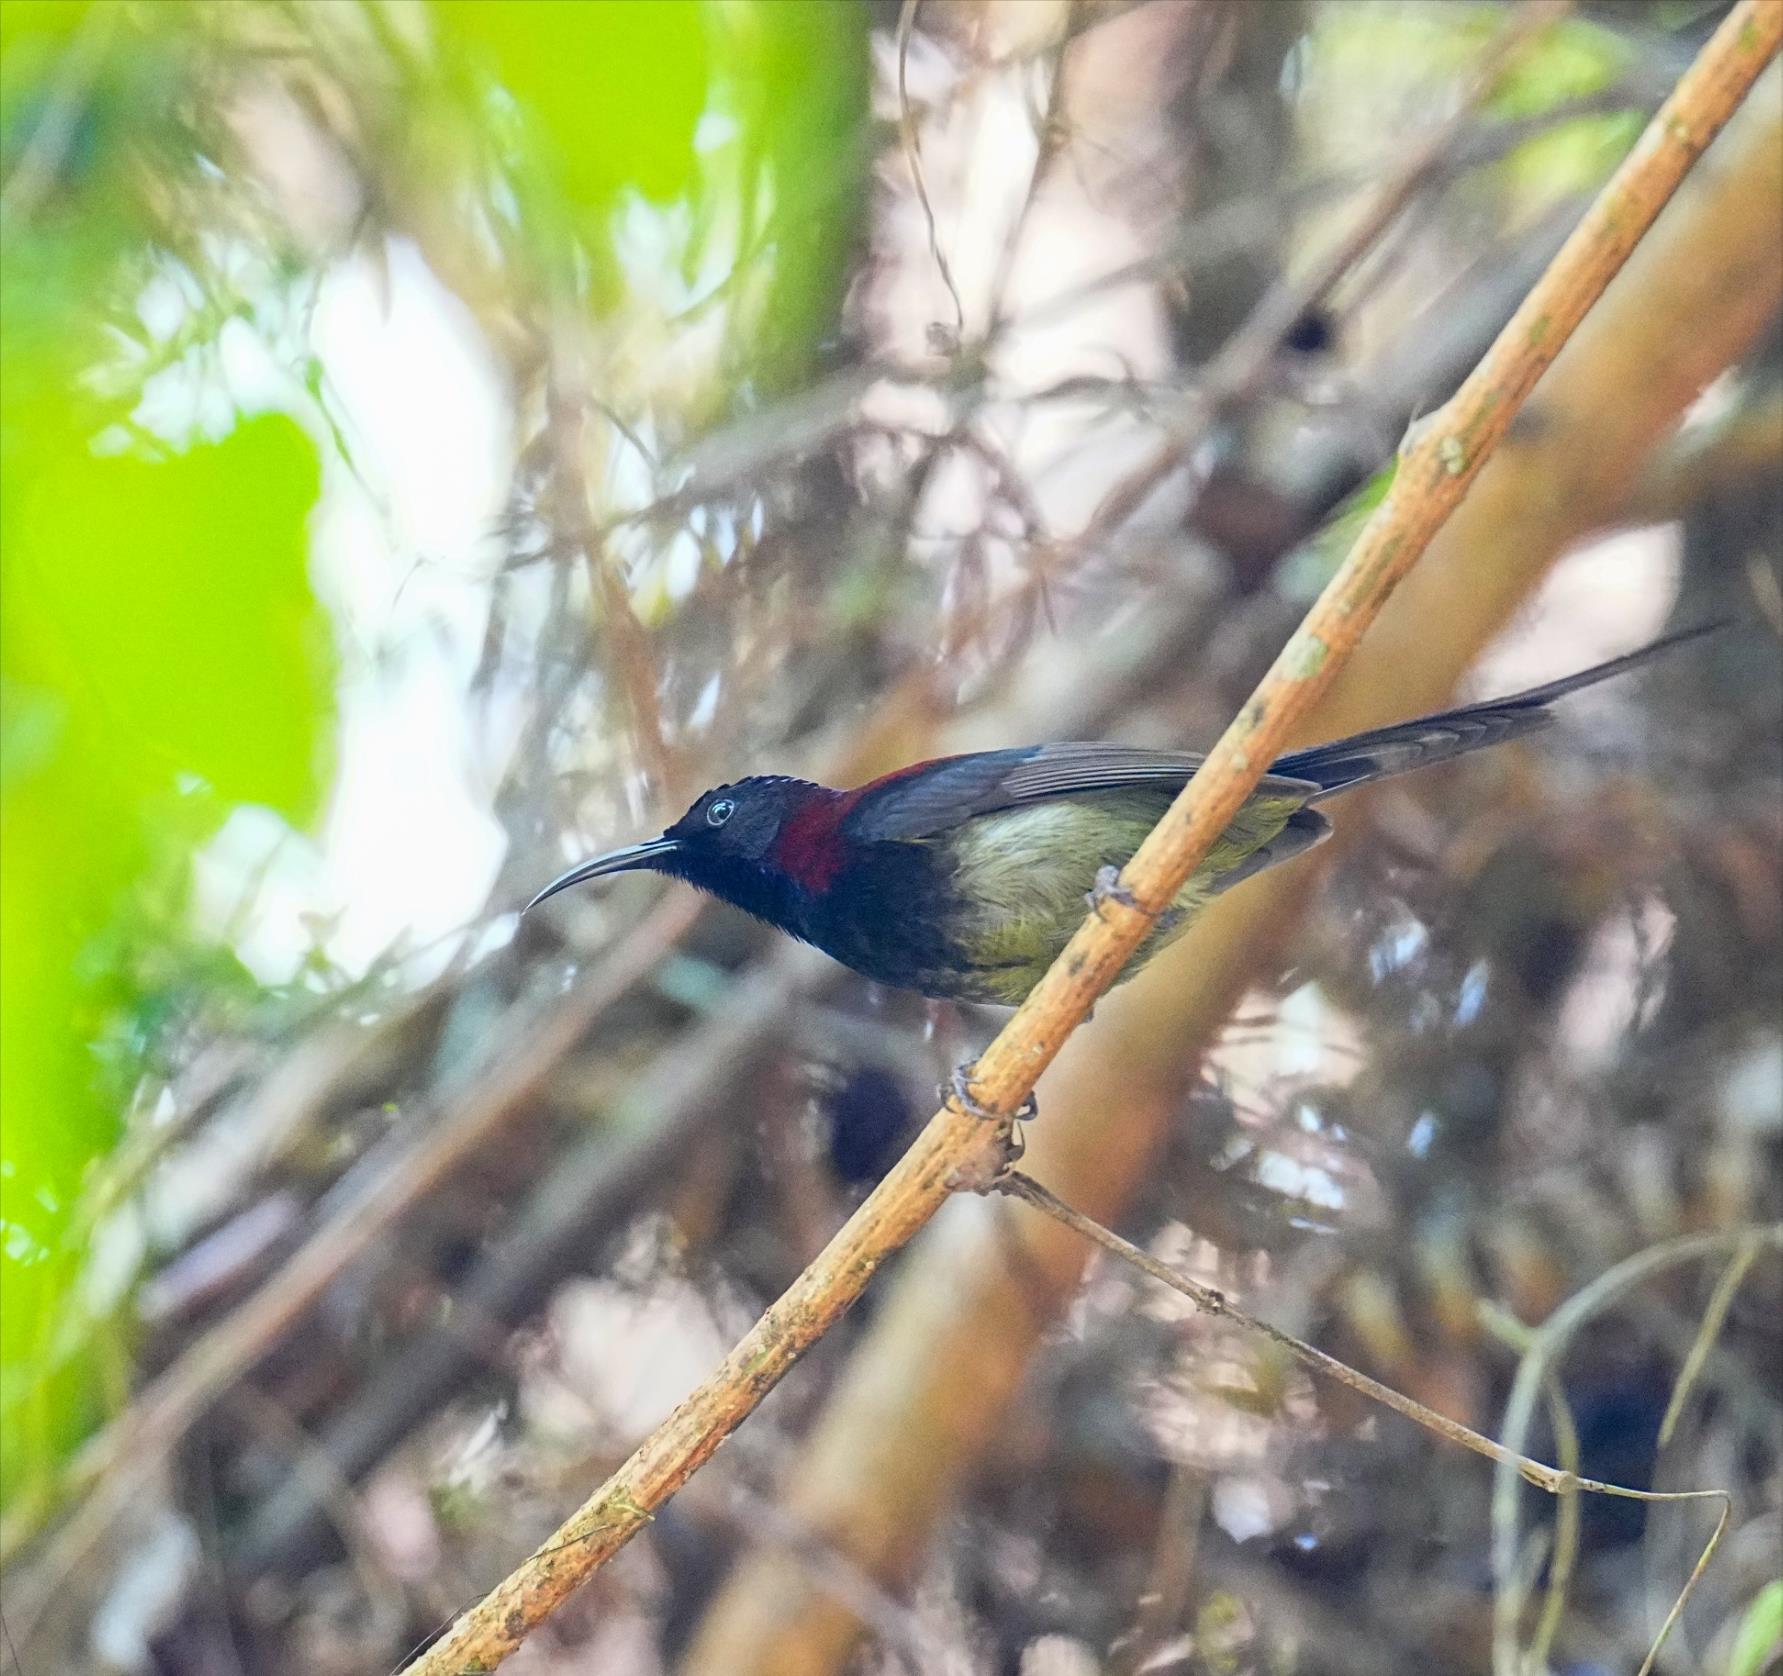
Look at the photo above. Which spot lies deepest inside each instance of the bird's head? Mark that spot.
(744, 842)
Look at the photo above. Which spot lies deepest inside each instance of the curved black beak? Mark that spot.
(631, 859)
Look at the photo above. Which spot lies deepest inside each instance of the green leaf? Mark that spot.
(1760, 1639)
(800, 76)
(617, 89)
(741, 125)
(164, 657)
(169, 602)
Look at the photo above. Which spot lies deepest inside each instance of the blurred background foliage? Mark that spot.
(166, 655)
(435, 436)
(152, 677)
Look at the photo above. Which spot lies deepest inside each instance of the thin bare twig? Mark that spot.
(1509, 1330)
(1546, 1344)
(1533, 1378)
(1216, 1303)
(965, 1148)
(634, 665)
(1720, 1302)
(1566, 1527)
(911, 139)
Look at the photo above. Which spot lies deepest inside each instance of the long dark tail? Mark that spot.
(1386, 751)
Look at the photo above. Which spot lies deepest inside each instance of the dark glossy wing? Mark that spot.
(935, 797)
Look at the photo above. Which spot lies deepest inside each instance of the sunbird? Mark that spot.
(963, 877)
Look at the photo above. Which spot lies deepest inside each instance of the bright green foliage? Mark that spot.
(1760, 1638)
(168, 600)
(801, 90)
(739, 122)
(163, 659)
(616, 90)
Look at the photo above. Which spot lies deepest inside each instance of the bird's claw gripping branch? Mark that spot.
(1108, 888)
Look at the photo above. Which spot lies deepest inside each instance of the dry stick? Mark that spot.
(1532, 1376)
(609, 599)
(1164, 1601)
(958, 1148)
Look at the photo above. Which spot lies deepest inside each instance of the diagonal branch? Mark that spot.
(926, 1389)
(958, 1148)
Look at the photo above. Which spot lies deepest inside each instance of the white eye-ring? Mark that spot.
(719, 811)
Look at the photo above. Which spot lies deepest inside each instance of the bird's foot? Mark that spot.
(999, 1146)
(1108, 888)
(958, 1088)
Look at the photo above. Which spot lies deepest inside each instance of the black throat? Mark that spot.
(759, 889)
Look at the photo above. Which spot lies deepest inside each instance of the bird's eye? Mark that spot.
(719, 811)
